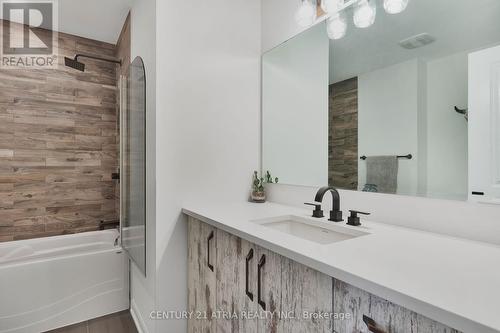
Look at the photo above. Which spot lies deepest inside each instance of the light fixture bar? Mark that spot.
(347, 4)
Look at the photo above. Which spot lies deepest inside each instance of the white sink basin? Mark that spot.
(319, 231)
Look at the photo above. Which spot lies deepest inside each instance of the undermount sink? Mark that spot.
(319, 231)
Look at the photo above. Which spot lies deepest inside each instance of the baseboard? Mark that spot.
(138, 320)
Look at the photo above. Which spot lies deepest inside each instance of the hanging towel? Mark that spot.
(382, 173)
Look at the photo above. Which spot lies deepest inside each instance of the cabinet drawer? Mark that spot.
(390, 317)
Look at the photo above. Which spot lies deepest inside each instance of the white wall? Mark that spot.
(408, 108)
(462, 219)
(484, 124)
(295, 109)
(203, 58)
(388, 119)
(143, 43)
(207, 124)
(447, 149)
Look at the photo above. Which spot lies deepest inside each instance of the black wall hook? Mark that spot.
(464, 112)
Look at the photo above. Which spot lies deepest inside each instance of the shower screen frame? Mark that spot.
(132, 231)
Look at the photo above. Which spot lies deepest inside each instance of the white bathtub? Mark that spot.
(52, 282)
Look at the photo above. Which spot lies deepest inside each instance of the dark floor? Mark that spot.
(120, 322)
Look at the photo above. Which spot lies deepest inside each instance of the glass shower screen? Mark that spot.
(133, 163)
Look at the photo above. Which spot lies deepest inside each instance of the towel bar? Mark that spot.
(409, 157)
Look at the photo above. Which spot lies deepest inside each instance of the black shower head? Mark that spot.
(75, 64)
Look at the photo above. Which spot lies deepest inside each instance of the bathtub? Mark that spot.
(52, 282)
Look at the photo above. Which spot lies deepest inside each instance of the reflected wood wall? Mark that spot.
(123, 52)
(343, 134)
(58, 145)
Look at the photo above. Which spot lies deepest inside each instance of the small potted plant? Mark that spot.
(258, 189)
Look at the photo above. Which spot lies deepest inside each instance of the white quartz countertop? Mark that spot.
(453, 281)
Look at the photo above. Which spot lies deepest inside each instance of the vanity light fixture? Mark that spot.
(395, 6)
(337, 26)
(365, 13)
(306, 14)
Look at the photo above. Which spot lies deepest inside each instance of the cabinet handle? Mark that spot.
(248, 259)
(210, 237)
(261, 265)
(372, 325)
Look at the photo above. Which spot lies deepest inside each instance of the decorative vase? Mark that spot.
(259, 196)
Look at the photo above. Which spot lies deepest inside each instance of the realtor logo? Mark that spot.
(28, 33)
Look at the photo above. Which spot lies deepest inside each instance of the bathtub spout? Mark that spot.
(117, 240)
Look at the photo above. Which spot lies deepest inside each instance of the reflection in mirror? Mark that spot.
(408, 105)
(133, 164)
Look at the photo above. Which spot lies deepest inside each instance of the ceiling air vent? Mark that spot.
(417, 41)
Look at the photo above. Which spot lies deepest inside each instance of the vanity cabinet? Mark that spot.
(236, 286)
(250, 289)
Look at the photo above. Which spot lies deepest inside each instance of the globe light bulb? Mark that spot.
(306, 14)
(395, 6)
(337, 26)
(331, 6)
(364, 13)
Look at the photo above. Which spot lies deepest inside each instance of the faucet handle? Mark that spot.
(336, 216)
(358, 212)
(318, 212)
(354, 220)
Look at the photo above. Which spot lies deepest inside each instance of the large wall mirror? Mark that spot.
(409, 105)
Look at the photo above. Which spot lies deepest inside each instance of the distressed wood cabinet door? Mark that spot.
(233, 253)
(202, 240)
(391, 317)
(306, 294)
(268, 296)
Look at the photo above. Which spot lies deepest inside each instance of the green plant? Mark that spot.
(258, 182)
(269, 178)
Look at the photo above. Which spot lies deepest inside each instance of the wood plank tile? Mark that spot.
(121, 323)
(343, 134)
(92, 208)
(59, 144)
(6, 153)
(78, 328)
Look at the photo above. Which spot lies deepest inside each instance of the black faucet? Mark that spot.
(335, 213)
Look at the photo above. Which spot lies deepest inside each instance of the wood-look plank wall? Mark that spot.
(343, 135)
(123, 48)
(123, 52)
(58, 145)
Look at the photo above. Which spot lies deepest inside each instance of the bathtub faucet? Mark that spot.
(117, 240)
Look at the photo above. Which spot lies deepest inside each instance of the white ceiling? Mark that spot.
(458, 26)
(96, 19)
